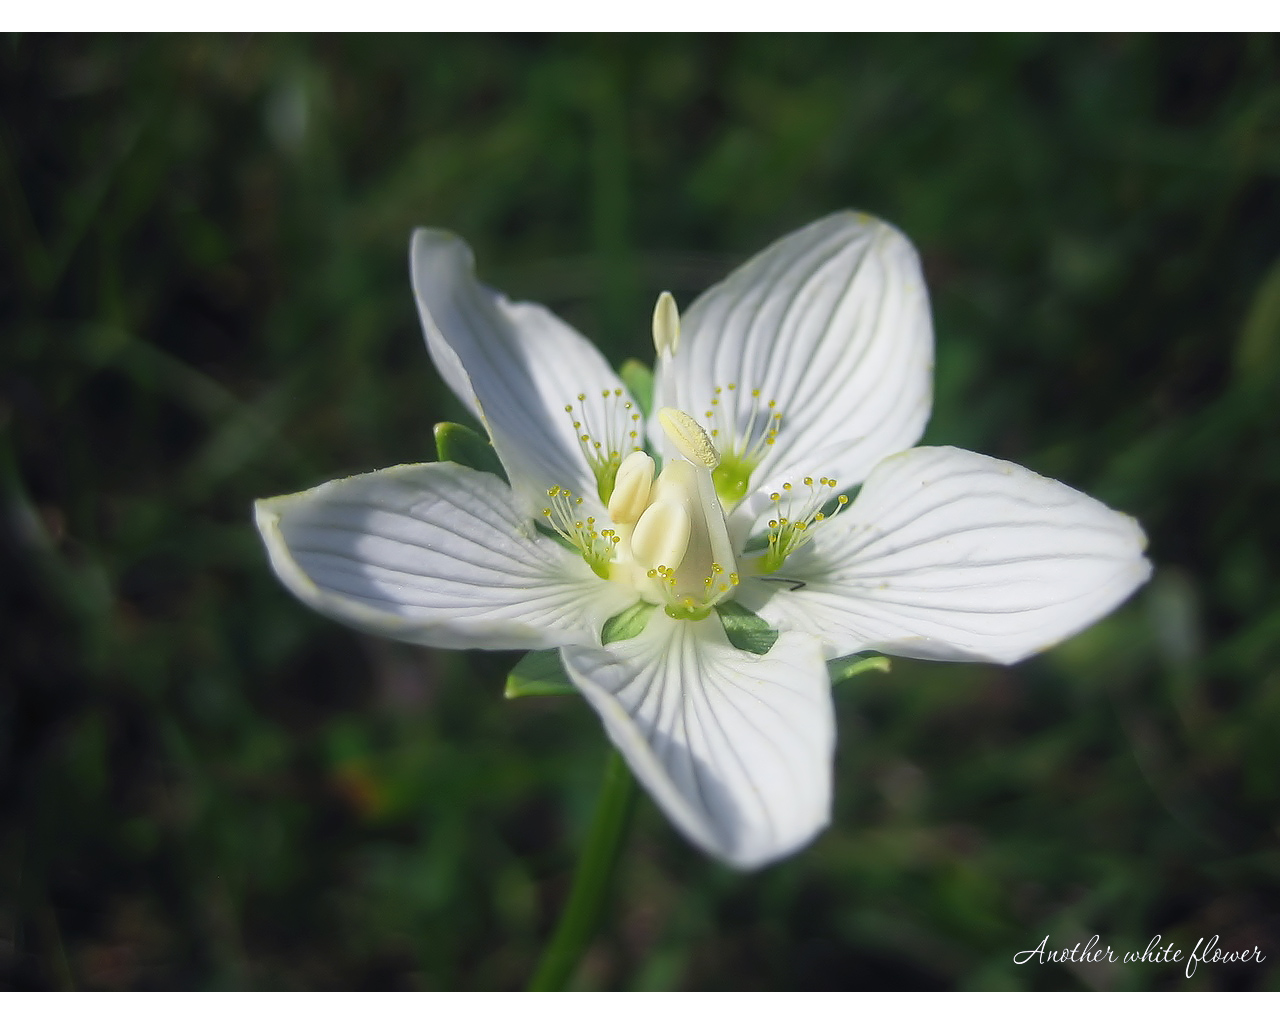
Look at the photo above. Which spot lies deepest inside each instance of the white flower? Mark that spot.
(805, 373)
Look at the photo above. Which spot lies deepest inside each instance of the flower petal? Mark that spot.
(517, 366)
(950, 555)
(736, 748)
(832, 324)
(433, 554)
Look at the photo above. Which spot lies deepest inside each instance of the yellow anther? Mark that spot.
(595, 546)
(792, 531)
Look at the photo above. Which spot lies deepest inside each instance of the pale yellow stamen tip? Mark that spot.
(666, 325)
(690, 440)
(661, 536)
(631, 488)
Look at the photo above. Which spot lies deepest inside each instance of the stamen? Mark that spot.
(604, 444)
(661, 535)
(690, 440)
(795, 518)
(564, 514)
(631, 488)
(666, 325)
(743, 425)
(716, 586)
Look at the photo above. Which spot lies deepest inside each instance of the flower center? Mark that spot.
(668, 537)
(681, 540)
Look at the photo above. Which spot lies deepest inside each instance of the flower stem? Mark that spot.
(581, 915)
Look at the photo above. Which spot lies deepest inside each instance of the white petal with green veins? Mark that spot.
(735, 747)
(433, 554)
(951, 555)
(831, 325)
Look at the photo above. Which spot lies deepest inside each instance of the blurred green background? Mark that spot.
(204, 299)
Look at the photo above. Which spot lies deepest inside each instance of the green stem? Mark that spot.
(581, 915)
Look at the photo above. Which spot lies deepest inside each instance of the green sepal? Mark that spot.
(539, 674)
(843, 669)
(456, 443)
(627, 623)
(639, 381)
(746, 630)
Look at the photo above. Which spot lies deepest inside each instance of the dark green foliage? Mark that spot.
(204, 299)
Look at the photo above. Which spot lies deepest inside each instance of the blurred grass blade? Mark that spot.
(1258, 350)
(843, 669)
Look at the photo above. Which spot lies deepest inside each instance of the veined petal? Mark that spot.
(830, 323)
(950, 555)
(517, 366)
(433, 554)
(736, 748)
